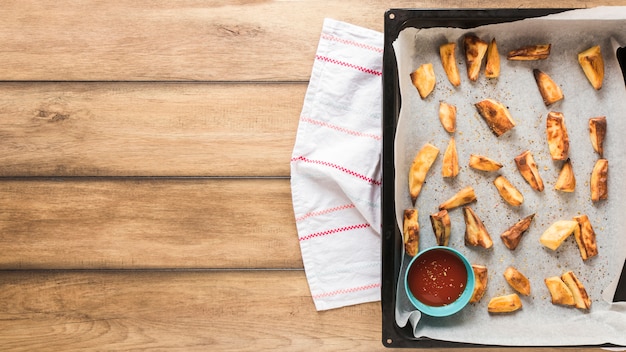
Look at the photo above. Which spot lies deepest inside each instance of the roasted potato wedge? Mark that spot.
(496, 115)
(424, 79)
(586, 237)
(411, 232)
(504, 304)
(508, 192)
(492, 66)
(517, 280)
(447, 116)
(480, 287)
(450, 166)
(530, 53)
(422, 162)
(558, 139)
(599, 180)
(559, 292)
(529, 171)
(581, 298)
(597, 132)
(442, 227)
(513, 235)
(549, 90)
(592, 64)
(462, 197)
(566, 182)
(483, 163)
(475, 232)
(554, 235)
(448, 61)
(475, 50)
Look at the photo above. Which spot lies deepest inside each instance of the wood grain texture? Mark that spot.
(148, 129)
(147, 223)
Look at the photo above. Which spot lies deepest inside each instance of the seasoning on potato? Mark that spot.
(496, 115)
(528, 169)
(475, 50)
(513, 235)
(411, 232)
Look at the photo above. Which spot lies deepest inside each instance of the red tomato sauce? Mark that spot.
(437, 278)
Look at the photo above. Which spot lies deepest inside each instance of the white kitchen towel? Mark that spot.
(335, 168)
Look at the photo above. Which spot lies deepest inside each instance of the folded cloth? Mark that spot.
(335, 168)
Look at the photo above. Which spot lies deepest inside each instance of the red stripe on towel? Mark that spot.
(347, 64)
(325, 211)
(351, 42)
(338, 167)
(347, 290)
(339, 128)
(333, 231)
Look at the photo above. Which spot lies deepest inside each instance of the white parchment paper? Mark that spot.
(539, 322)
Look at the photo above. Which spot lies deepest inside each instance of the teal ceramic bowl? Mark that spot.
(439, 281)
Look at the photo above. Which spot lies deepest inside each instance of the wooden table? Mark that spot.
(145, 196)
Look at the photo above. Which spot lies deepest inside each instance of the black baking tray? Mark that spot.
(395, 21)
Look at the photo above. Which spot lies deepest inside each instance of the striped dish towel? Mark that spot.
(335, 168)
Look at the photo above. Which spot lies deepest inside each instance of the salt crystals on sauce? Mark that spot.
(437, 278)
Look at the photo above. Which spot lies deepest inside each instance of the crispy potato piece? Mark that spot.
(559, 292)
(483, 163)
(597, 132)
(517, 280)
(411, 232)
(492, 67)
(448, 61)
(475, 232)
(462, 197)
(592, 64)
(447, 116)
(586, 237)
(480, 287)
(422, 162)
(513, 235)
(450, 167)
(508, 192)
(530, 52)
(558, 139)
(554, 235)
(549, 90)
(599, 179)
(424, 79)
(581, 298)
(566, 181)
(442, 227)
(475, 50)
(504, 304)
(496, 115)
(529, 171)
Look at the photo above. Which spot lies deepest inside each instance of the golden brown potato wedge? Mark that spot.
(559, 292)
(448, 61)
(566, 182)
(480, 287)
(411, 232)
(549, 90)
(475, 232)
(530, 52)
(442, 227)
(529, 171)
(475, 50)
(558, 139)
(496, 115)
(554, 235)
(462, 197)
(513, 235)
(508, 192)
(424, 79)
(599, 180)
(422, 162)
(492, 67)
(597, 132)
(581, 298)
(586, 237)
(592, 64)
(483, 163)
(504, 304)
(447, 116)
(518, 281)
(450, 166)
